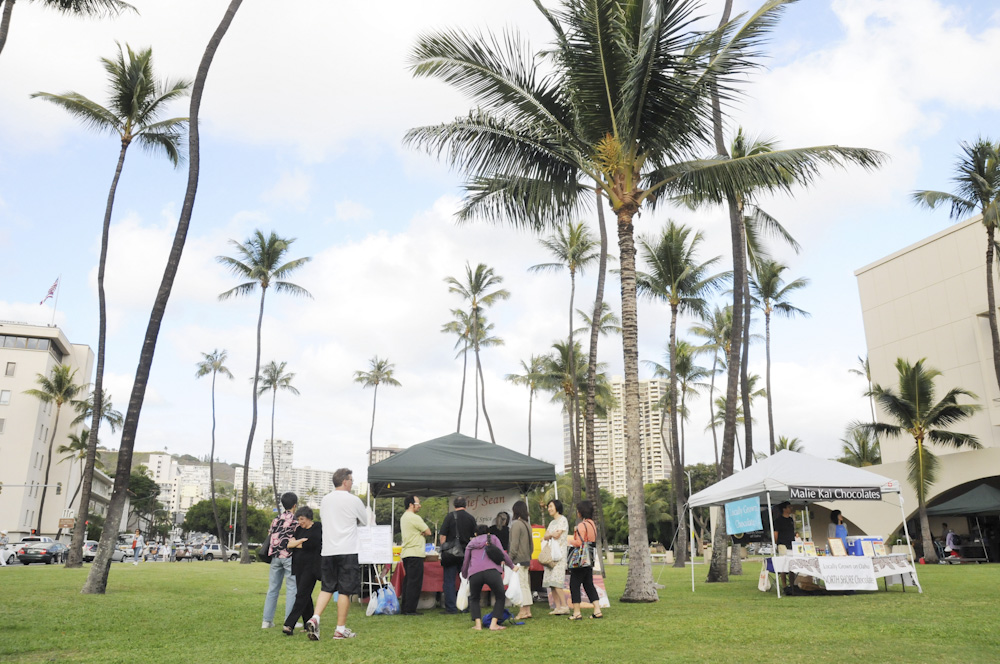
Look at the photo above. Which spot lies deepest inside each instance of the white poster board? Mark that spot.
(847, 573)
(375, 545)
(486, 506)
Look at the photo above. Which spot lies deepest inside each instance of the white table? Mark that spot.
(894, 565)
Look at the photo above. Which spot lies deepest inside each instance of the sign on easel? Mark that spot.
(375, 545)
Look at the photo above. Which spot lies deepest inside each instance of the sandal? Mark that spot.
(559, 612)
(596, 616)
(286, 631)
(578, 617)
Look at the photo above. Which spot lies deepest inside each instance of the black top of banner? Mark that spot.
(819, 493)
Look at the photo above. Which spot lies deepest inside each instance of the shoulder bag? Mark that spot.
(452, 551)
(583, 555)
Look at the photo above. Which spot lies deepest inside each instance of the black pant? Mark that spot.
(303, 608)
(413, 581)
(582, 576)
(493, 579)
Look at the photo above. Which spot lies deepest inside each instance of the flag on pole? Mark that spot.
(52, 291)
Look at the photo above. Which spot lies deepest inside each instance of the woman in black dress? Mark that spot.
(306, 544)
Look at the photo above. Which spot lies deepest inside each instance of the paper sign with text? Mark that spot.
(743, 516)
(847, 572)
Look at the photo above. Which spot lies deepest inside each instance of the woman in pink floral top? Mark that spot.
(282, 529)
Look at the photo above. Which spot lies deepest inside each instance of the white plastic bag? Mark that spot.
(462, 599)
(764, 584)
(558, 551)
(513, 584)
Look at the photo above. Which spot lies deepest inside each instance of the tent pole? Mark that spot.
(909, 544)
(774, 545)
(982, 539)
(690, 528)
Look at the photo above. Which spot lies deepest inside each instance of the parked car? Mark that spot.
(213, 551)
(42, 552)
(9, 553)
(35, 538)
(90, 552)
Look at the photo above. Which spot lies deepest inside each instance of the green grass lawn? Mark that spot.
(210, 612)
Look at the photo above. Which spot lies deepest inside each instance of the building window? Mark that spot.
(4, 397)
(2, 421)
(10, 368)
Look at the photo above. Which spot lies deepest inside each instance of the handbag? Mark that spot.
(452, 551)
(545, 555)
(264, 553)
(581, 556)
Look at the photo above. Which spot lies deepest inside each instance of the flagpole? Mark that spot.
(55, 305)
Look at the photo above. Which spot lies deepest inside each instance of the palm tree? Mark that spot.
(608, 323)
(57, 388)
(573, 247)
(77, 451)
(461, 326)
(379, 373)
(977, 189)
(618, 108)
(273, 378)
(214, 363)
(97, 578)
(864, 370)
(82, 8)
(476, 289)
(716, 329)
(85, 413)
(913, 409)
(557, 379)
(860, 448)
(261, 262)
(680, 279)
(789, 444)
(772, 297)
(531, 377)
(136, 102)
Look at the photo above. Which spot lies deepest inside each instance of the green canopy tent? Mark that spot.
(457, 464)
(984, 500)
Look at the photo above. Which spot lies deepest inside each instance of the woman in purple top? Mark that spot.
(484, 560)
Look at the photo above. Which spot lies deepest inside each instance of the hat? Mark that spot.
(3, 532)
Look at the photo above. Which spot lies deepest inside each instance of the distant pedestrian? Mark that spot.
(306, 546)
(412, 529)
(138, 544)
(4, 541)
(342, 513)
(282, 529)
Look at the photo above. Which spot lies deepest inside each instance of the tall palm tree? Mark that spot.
(261, 261)
(860, 448)
(133, 113)
(619, 107)
(865, 371)
(214, 364)
(913, 409)
(531, 377)
(772, 295)
(716, 329)
(476, 289)
(678, 277)
(789, 444)
(272, 379)
(573, 247)
(82, 8)
(77, 451)
(379, 373)
(85, 412)
(557, 379)
(608, 323)
(977, 189)
(57, 388)
(97, 578)
(461, 326)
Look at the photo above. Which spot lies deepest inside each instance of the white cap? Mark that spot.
(3, 532)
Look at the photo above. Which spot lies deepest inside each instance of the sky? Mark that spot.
(302, 124)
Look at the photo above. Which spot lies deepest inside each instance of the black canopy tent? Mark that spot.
(457, 464)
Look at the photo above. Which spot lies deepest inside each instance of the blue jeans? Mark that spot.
(281, 568)
(450, 591)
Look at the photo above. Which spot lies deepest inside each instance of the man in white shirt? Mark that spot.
(342, 513)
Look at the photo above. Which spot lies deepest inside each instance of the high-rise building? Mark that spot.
(27, 424)
(308, 483)
(382, 453)
(609, 438)
(283, 453)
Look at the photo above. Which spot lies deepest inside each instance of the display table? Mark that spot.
(847, 572)
(433, 581)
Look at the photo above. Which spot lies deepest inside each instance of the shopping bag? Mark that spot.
(764, 584)
(387, 604)
(558, 553)
(462, 599)
(513, 584)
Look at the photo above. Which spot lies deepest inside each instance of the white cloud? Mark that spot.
(347, 210)
(292, 188)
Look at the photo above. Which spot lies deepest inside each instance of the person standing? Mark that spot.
(306, 545)
(4, 541)
(521, 549)
(138, 544)
(282, 529)
(784, 533)
(342, 513)
(501, 528)
(461, 526)
(554, 577)
(584, 535)
(412, 530)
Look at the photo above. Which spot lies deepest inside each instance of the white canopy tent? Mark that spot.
(800, 478)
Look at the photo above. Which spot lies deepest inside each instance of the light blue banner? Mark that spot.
(743, 516)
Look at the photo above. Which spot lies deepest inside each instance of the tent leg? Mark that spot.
(774, 545)
(982, 539)
(909, 544)
(690, 528)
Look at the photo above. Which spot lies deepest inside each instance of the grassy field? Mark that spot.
(210, 612)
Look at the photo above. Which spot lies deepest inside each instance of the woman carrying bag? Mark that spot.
(483, 565)
(555, 571)
(521, 549)
(580, 560)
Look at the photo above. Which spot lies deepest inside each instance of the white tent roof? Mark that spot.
(784, 469)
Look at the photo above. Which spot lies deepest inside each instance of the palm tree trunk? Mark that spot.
(718, 571)
(75, 557)
(531, 402)
(991, 302)
(244, 528)
(745, 355)
(211, 478)
(573, 406)
(97, 579)
(711, 405)
(475, 371)
(482, 385)
(371, 432)
(274, 464)
(48, 467)
(639, 583)
(767, 350)
(8, 7)
(461, 398)
(593, 490)
(676, 469)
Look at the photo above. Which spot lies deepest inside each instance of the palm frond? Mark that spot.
(92, 114)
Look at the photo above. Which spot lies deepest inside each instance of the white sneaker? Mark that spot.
(345, 633)
(312, 629)
(267, 624)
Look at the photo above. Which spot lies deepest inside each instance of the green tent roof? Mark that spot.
(984, 499)
(457, 464)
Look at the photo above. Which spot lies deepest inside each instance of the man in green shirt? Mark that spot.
(413, 530)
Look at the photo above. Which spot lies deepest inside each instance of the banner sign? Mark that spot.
(486, 506)
(847, 572)
(834, 493)
(743, 516)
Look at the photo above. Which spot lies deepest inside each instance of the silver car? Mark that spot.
(90, 552)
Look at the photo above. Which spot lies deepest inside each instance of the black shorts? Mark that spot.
(341, 574)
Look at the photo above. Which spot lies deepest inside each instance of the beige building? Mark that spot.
(609, 438)
(26, 426)
(929, 301)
